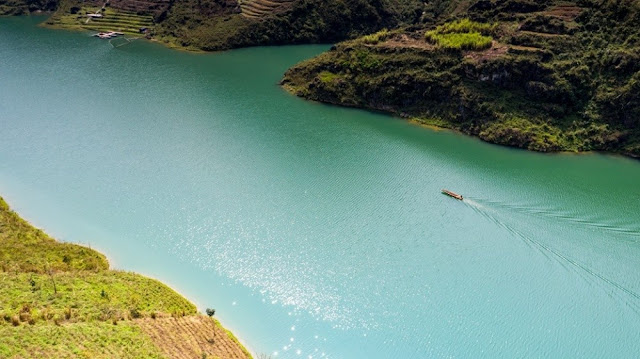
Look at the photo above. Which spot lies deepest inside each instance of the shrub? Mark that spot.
(327, 77)
(135, 313)
(24, 317)
(210, 312)
(376, 38)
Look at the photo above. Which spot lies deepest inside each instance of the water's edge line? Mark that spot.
(109, 261)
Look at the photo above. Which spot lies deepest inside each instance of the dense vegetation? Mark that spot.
(544, 75)
(223, 24)
(61, 300)
(24, 7)
(215, 24)
(557, 75)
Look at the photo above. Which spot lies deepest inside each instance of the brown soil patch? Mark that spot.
(497, 49)
(191, 336)
(565, 12)
(541, 34)
(404, 40)
(522, 49)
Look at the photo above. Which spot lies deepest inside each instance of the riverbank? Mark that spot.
(543, 78)
(61, 299)
(549, 77)
(223, 25)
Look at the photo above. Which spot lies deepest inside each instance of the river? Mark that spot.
(315, 231)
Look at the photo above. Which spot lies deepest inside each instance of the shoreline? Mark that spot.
(421, 122)
(219, 321)
(433, 126)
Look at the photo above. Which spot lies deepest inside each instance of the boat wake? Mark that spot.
(551, 253)
(632, 233)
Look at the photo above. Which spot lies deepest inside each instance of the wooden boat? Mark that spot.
(452, 194)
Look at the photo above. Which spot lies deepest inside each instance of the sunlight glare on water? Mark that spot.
(315, 231)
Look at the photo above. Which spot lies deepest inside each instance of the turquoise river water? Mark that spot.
(315, 231)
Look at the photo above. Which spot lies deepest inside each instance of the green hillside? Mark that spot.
(60, 300)
(544, 75)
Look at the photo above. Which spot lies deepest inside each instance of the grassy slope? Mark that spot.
(77, 340)
(558, 76)
(61, 300)
(28, 249)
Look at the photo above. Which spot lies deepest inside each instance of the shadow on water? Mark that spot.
(487, 210)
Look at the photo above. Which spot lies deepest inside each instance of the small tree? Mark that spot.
(50, 273)
(210, 312)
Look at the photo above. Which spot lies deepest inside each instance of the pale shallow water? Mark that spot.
(314, 229)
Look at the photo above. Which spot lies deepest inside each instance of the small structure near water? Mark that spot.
(108, 35)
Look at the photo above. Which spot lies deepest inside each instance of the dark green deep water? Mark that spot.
(316, 230)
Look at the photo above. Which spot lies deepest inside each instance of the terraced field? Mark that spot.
(192, 337)
(140, 6)
(257, 9)
(124, 21)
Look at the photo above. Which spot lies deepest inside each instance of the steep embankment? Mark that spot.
(220, 24)
(545, 75)
(24, 7)
(60, 300)
(223, 24)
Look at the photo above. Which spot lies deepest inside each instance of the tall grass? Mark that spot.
(373, 39)
(98, 340)
(464, 41)
(462, 34)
